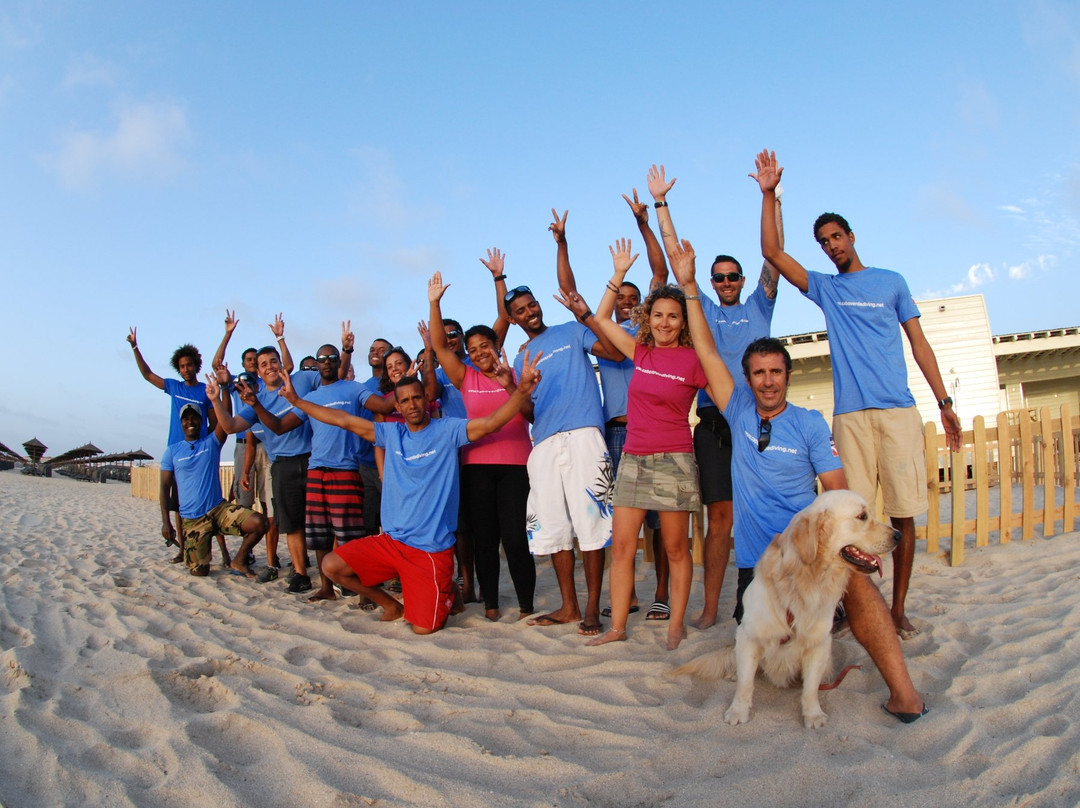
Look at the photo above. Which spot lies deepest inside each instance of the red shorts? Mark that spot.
(426, 578)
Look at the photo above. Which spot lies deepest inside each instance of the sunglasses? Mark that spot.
(764, 434)
(517, 291)
(327, 358)
(731, 277)
(453, 334)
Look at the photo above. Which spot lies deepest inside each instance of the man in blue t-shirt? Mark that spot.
(779, 451)
(192, 463)
(877, 426)
(187, 362)
(733, 325)
(420, 500)
(570, 476)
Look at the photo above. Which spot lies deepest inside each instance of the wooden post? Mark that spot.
(1005, 473)
(959, 471)
(933, 488)
(1047, 433)
(982, 483)
(1068, 471)
(1027, 477)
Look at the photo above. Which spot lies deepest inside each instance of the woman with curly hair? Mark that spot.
(657, 471)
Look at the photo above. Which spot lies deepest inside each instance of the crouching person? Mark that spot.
(419, 500)
(193, 464)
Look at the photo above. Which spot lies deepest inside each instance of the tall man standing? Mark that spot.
(570, 476)
(875, 422)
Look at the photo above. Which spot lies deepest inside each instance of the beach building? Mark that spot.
(984, 374)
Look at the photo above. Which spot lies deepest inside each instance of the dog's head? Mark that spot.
(838, 524)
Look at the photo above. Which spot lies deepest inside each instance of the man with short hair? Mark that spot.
(570, 476)
(191, 464)
(733, 325)
(779, 451)
(877, 426)
(421, 495)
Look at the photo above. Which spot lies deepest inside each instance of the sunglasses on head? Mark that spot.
(327, 358)
(453, 334)
(764, 434)
(517, 291)
(731, 277)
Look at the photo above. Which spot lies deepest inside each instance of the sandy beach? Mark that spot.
(124, 681)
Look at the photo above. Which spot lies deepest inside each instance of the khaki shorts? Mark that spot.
(198, 533)
(658, 482)
(262, 484)
(884, 447)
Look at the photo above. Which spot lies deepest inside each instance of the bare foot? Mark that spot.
(522, 615)
(242, 570)
(611, 635)
(704, 621)
(322, 594)
(586, 629)
(904, 627)
(492, 614)
(393, 612)
(675, 636)
(557, 618)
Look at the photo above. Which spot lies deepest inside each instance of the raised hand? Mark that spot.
(573, 301)
(436, 288)
(222, 375)
(348, 338)
(504, 373)
(278, 326)
(530, 374)
(247, 395)
(494, 261)
(558, 227)
(639, 209)
(658, 184)
(212, 388)
(682, 259)
(620, 256)
(425, 335)
(132, 339)
(287, 391)
(768, 170)
(230, 321)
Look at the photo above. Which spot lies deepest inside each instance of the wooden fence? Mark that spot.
(1040, 457)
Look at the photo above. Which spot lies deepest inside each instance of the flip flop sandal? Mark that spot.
(658, 611)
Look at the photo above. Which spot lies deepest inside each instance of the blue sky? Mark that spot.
(161, 162)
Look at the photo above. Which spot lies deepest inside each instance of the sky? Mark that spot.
(161, 163)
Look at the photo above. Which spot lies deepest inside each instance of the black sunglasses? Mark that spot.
(731, 277)
(453, 334)
(764, 434)
(517, 291)
(327, 358)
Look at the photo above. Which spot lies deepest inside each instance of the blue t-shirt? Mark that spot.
(734, 328)
(772, 486)
(331, 446)
(863, 312)
(615, 378)
(182, 395)
(568, 396)
(295, 441)
(421, 481)
(450, 402)
(198, 481)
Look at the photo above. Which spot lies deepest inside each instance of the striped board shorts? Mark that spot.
(335, 507)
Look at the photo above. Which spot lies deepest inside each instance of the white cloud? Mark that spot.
(145, 142)
(1024, 270)
(1011, 209)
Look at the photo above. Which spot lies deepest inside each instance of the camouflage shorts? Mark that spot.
(199, 533)
(667, 481)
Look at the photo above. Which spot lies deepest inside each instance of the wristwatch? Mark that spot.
(945, 402)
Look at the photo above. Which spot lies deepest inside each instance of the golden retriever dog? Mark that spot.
(788, 608)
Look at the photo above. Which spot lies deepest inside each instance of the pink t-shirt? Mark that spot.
(661, 390)
(510, 445)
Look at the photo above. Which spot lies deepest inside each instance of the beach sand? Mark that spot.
(124, 681)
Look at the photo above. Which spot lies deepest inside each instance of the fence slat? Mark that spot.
(1047, 432)
(1027, 477)
(933, 488)
(1068, 471)
(982, 482)
(1005, 478)
(959, 472)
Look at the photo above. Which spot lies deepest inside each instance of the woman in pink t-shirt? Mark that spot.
(494, 479)
(657, 471)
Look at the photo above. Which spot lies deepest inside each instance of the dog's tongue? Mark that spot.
(880, 573)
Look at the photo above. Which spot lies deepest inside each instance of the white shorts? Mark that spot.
(570, 489)
(262, 484)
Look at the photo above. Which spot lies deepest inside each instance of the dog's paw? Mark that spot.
(815, 720)
(737, 715)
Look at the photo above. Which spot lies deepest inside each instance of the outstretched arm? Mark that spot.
(616, 335)
(144, 368)
(565, 274)
(721, 384)
(278, 327)
(495, 264)
(348, 343)
(230, 325)
(361, 426)
(452, 365)
(772, 249)
(659, 188)
(603, 348)
(215, 393)
(927, 362)
(653, 250)
(530, 377)
(770, 277)
(227, 423)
